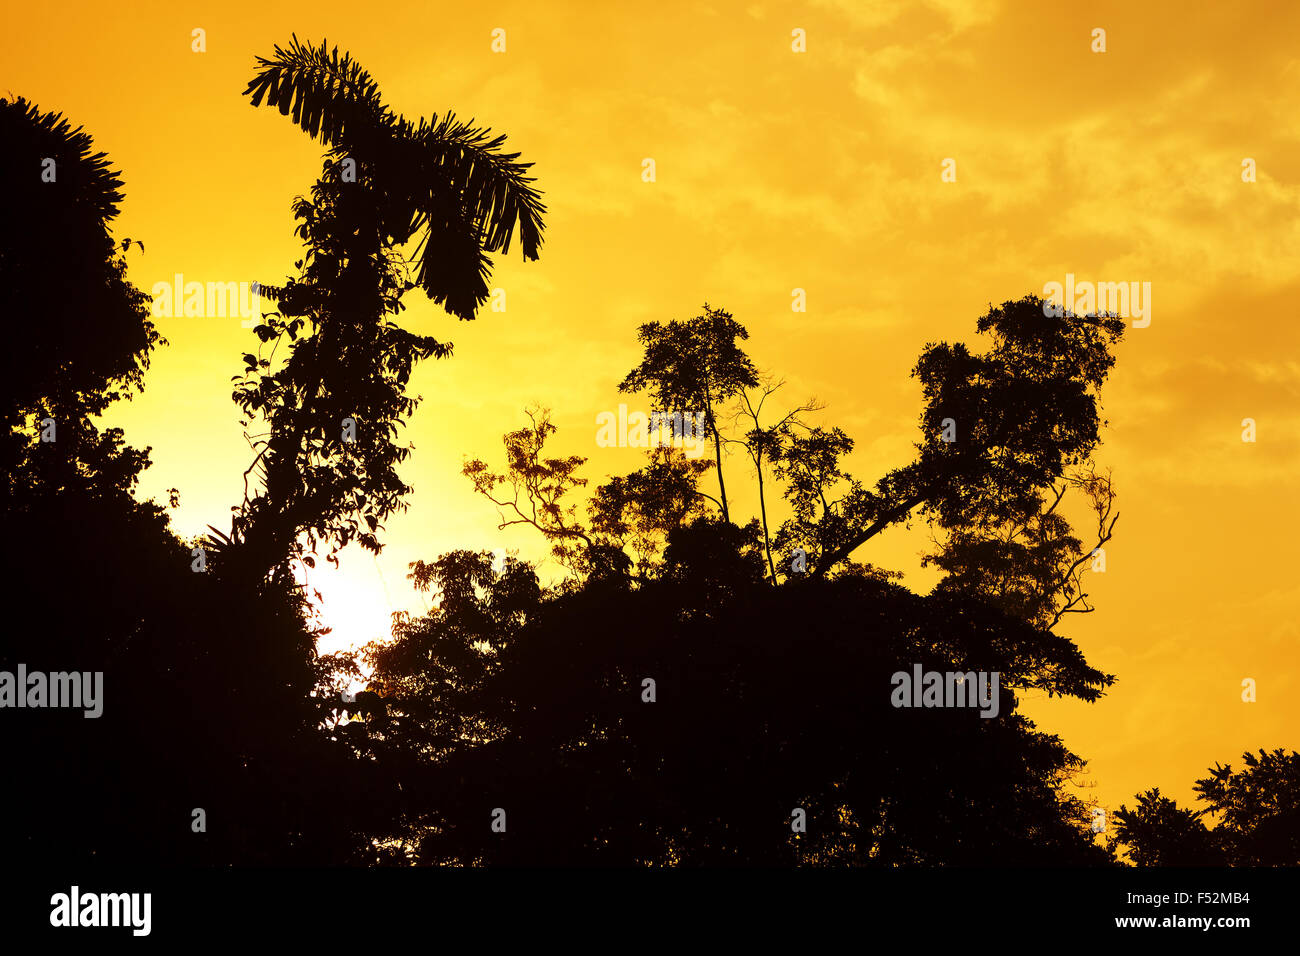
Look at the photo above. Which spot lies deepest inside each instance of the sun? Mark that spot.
(352, 600)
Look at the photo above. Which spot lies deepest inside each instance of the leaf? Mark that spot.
(220, 536)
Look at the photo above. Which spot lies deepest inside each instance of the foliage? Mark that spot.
(1256, 811)
(328, 460)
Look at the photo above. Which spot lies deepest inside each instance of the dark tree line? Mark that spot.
(1255, 812)
(676, 699)
(697, 688)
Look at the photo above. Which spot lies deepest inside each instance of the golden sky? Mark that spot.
(775, 170)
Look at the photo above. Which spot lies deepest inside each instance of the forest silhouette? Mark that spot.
(694, 681)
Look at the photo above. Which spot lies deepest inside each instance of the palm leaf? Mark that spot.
(445, 179)
(217, 543)
(330, 97)
(493, 185)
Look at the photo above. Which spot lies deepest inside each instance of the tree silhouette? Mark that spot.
(1025, 558)
(1256, 809)
(766, 700)
(1158, 832)
(640, 510)
(58, 198)
(1019, 415)
(767, 445)
(635, 511)
(328, 459)
(694, 365)
(681, 714)
(203, 688)
(216, 698)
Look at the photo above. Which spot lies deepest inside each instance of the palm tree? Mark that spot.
(443, 179)
(386, 182)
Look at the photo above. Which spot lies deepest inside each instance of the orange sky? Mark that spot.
(777, 170)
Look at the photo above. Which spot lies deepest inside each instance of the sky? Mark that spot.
(776, 170)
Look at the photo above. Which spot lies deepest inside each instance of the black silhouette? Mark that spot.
(1256, 810)
(697, 688)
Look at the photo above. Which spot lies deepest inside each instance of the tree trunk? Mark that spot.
(762, 508)
(717, 446)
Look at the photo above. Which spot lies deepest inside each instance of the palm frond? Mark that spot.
(217, 541)
(444, 179)
(331, 98)
(454, 267)
(493, 185)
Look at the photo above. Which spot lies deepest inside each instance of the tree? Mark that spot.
(1256, 811)
(444, 181)
(641, 510)
(1158, 832)
(538, 487)
(1027, 560)
(93, 341)
(635, 511)
(328, 460)
(767, 445)
(675, 715)
(206, 690)
(694, 365)
(810, 466)
(1018, 417)
(679, 722)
